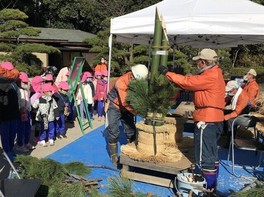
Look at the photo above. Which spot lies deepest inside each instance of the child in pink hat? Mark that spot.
(88, 97)
(63, 102)
(24, 131)
(100, 94)
(47, 113)
(49, 79)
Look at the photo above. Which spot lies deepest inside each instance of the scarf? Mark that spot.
(235, 98)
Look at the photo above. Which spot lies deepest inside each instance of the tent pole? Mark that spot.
(110, 42)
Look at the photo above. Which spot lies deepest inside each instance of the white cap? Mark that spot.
(140, 71)
(231, 85)
(252, 72)
(206, 54)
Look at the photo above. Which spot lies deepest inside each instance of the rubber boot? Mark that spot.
(113, 153)
(211, 178)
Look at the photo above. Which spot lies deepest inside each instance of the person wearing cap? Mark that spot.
(35, 93)
(49, 79)
(88, 97)
(208, 88)
(100, 93)
(97, 76)
(252, 87)
(24, 131)
(8, 71)
(63, 102)
(121, 111)
(9, 108)
(47, 112)
(239, 105)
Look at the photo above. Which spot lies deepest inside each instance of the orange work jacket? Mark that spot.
(252, 90)
(118, 93)
(9, 74)
(242, 102)
(100, 67)
(209, 93)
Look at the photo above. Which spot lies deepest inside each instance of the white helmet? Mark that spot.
(140, 71)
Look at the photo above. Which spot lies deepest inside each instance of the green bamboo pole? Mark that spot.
(156, 46)
(165, 48)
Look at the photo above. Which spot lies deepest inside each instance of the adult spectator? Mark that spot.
(101, 66)
(9, 109)
(251, 87)
(239, 105)
(209, 93)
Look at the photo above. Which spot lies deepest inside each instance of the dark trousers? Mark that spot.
(209, 137)
(23, 132)
(60, 125)
(8, 131)
(115, 116)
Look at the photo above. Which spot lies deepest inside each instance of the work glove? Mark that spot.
(163, 70)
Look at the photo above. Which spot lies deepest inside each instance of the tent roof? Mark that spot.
(199, 23)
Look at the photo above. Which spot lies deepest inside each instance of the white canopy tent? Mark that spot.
(199, 23)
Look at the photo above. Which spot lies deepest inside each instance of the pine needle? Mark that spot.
(77, 168)
(154, 97)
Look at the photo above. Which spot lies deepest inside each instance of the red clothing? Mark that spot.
(252, 90)
(100, 67)
(119, 98)
(209, 93)
(100, 90)
(242, 102)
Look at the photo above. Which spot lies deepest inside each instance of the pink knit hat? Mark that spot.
(96, 73)
(7, 65)
(64, 85)
(88, 75)
(23, 77)
(104, 73)
(47, 87)
(83, 77)
(36, 83)
(48, 77)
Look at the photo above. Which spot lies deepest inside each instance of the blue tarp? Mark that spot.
(91, 150)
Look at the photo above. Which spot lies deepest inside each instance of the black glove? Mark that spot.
(163, 70)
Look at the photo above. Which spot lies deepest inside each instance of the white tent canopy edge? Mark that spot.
(198, 23)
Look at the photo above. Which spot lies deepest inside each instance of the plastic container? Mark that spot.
(184, 184)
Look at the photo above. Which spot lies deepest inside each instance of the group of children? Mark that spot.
(95, 91)
(42, 105)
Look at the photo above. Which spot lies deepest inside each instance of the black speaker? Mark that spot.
(20, 187)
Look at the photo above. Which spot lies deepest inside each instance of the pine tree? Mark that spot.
(12, 25)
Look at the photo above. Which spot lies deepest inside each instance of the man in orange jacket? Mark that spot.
(121, 111)
(251, 87)
(209, 93)
(239, 105)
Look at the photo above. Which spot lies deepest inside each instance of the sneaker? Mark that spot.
(22, 149)
(30, 146)
(51, 142)
(42, 143)
(99, 118)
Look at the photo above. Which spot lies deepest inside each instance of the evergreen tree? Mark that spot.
(11, 27)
